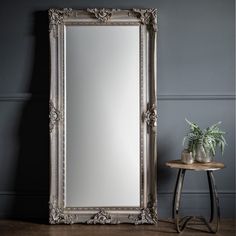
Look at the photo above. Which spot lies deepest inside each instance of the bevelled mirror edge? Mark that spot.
(147, 212)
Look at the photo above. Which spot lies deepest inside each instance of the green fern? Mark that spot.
(210, 138)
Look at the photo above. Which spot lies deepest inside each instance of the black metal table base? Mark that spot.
(181, 223)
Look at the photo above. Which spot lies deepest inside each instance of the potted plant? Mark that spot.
(203, 143)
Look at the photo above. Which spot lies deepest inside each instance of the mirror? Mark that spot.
(98, 133)
(103, 116)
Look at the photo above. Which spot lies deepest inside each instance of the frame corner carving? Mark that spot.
(146, 216)
(147, 17)
(57, 216)
(56, 17)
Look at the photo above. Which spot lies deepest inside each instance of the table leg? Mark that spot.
(176, 200)
(174, 196)
(214, 202)
(214, 199)
(211, 196)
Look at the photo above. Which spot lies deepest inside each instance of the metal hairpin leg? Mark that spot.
(182, 223)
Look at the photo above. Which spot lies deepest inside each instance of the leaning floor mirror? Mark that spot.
(103, 116)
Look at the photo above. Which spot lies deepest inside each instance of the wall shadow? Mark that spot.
(32, 174)
(164, 173)
(165, 179)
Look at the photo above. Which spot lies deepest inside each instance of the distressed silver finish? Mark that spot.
(145, 217)
(54, 116)
(102, 217)
(146, 213)
(56, 17)
(150, 116)
(57, 216)
(103, 14)
(147, 17)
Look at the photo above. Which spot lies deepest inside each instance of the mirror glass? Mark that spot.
(102, 116)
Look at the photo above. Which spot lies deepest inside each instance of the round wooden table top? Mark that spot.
(195, 166)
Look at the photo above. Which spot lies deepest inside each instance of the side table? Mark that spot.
(181, 223)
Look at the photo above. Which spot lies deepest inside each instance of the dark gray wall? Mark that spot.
(195, 80)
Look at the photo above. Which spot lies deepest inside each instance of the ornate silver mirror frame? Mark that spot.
(146, 213)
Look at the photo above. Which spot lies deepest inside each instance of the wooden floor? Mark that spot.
(164, 228)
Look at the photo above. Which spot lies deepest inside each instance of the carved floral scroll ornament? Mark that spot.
(56, 16)
(152, 206)
(54, 116)
(103, 15)
(150, 116)
(57, 216)
(147, 17)
(102, 217)
(147, 216)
